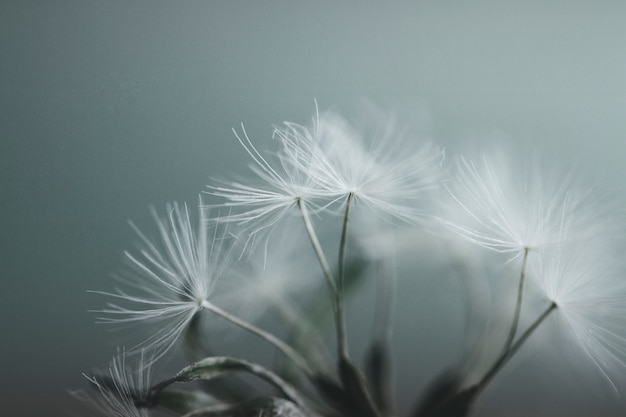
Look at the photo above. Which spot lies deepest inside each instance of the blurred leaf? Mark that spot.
(443, 398)
(355, 267)
(378, 371)
(355, 387)
(350, 397)
(459, 405)
(322, 313)
(354, 277)
(194, 339)
(265, 407)
(332, 392)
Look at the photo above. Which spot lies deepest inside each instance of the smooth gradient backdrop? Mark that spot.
(107, 107)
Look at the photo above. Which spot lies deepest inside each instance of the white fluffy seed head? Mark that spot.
(120, 388)
(587, 284)
(383, 169)
(168, 279)
(509, 202)
(279, 184)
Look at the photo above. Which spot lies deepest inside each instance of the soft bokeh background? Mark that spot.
(107, 107)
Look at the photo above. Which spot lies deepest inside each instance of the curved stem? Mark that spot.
(267, 336)
(514, 348)
(518, 306)
(337, 303)
(215, 366)
(341, 331)
(317, 247)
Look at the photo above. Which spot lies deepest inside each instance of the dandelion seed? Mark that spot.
(281, 183)
(121, 390)
(388, 174)
(589, 290)
(512, 207)
(169, 281)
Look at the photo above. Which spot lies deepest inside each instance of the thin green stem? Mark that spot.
(502, 360)
(341, 331)
(342, 336)
(267, 336)
(337, 289)
(336, 293)
(518, 305)
(317, 247)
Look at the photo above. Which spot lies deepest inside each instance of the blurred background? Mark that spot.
(107, 107)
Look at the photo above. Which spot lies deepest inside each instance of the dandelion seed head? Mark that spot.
(589, 289)
(281, 182)
(169, 279)
(512, 205)
(120, 389)
(382, 169)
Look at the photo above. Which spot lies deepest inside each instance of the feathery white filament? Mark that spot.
(169, 279)
(117, 397)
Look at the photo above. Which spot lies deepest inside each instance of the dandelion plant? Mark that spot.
(278, 256)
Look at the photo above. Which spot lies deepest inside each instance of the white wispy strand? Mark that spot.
(589, 289)
(169, 279)
(119, 389)
(511, 206)
(278, 186)
(321, 164)
(388, 173)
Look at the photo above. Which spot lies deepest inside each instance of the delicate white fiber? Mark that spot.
(120, 389)
(169, 279)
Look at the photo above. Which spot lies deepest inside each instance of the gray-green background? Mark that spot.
(107, 107)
